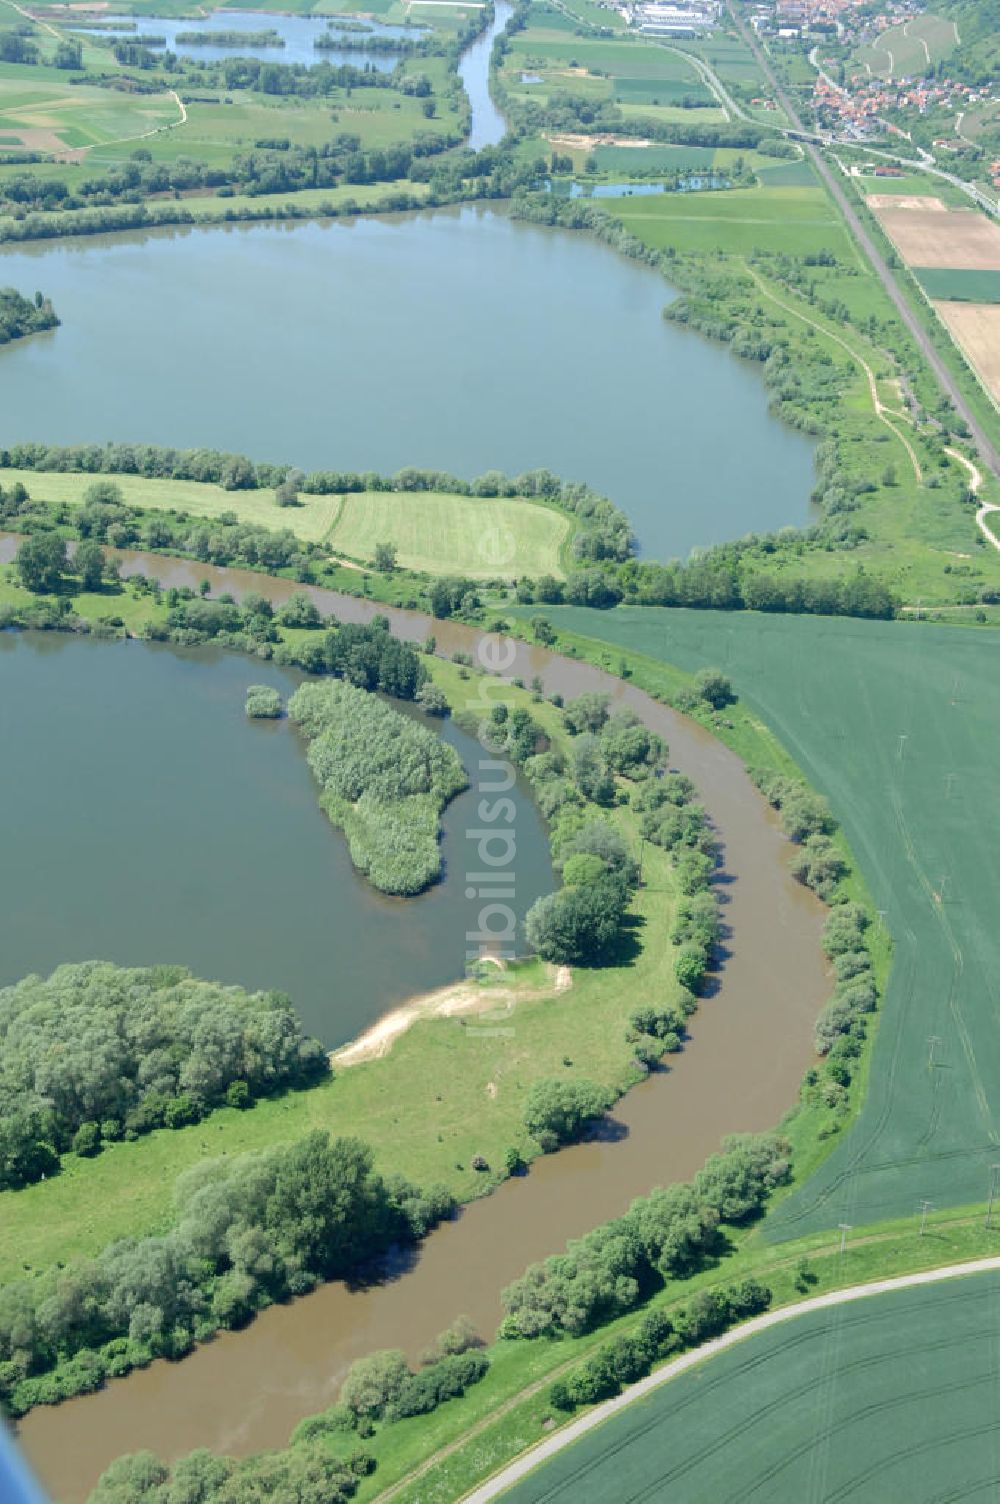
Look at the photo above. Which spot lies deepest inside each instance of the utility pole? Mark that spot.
(926, 1206)
(994, 1172)
(932, 1045)
(845, 1228)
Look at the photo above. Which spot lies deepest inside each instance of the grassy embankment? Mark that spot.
(457, 1093)
(434, 533)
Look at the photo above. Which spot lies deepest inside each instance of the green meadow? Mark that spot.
(896, 722)
(739, 220)
(439, 533)
(443, 534)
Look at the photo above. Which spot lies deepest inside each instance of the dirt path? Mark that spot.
(881, 411)
(548, 1448)
(35, 20)
(986, 507)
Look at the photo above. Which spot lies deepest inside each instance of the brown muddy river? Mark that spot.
(750, 1043)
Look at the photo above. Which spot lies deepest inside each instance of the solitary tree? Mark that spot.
(88, 561)
(40, 562)
(385, 557)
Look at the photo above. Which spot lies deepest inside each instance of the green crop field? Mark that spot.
(443, 534)
(890, 1399)
(959, 285)
(653, 158)
(660, 91)
(797, 220)
(897, 723)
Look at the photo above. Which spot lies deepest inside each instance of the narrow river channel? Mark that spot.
(750, 1043)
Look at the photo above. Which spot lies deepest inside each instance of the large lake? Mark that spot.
(459, 340)
(146, 820)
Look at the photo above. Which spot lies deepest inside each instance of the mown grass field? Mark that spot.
(892, 1398)
(442, 534)
(439, 533)
(897, 724)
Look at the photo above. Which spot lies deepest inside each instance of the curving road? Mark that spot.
(528, 1461)
(988, 451)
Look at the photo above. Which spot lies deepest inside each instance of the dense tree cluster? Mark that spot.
(665, 1235)
(245, 1232)
(558, 1112)
(20, 316)
(384, 778)
(97, 1051)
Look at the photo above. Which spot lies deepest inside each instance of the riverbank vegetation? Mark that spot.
(243, 1234)
(97, 1053)
(384, 778)
(21, 316)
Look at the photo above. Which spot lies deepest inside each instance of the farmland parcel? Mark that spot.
(896, 723)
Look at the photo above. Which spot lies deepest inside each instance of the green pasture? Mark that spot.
(729, 57)
(897, 723)
(796, 220)
(660, 91)
(624, 59)
(892, 1398)
(443, 534)
(923, 185)
(786, 174)
(958, 285)
(672, 114)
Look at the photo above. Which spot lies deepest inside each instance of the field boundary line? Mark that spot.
(544, 1450)
(880, 409)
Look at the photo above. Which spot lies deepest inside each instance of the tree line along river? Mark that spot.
(750, 1043)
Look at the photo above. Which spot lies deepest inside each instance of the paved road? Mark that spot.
(528, 1461)
(988, 451)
